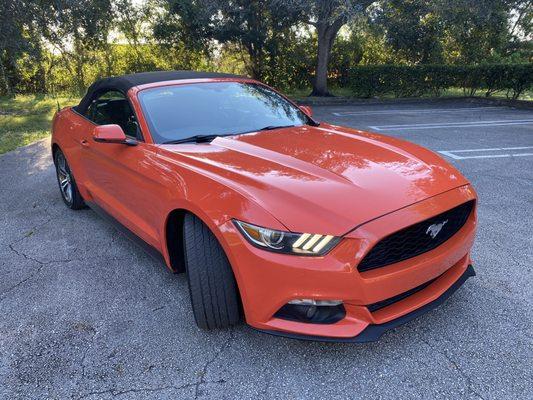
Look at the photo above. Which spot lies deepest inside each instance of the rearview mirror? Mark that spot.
(111, 134)
(307, 110)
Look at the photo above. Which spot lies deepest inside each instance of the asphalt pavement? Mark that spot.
(85, 314)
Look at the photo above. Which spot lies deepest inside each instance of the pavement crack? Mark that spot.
(24, 255)
(33, 229)
(209, 362)
(19, 283)
(40, 262)
(28, 277)
(457, 367)
(32, 274)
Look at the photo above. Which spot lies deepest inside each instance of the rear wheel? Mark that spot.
(212, 286)
(67, 185)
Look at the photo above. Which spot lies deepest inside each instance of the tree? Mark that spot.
(132, 21)
(11, 41)
(328, 17)
(413, 29)
(475, 30)
(75, 29)
(18, 40)
(521, 30)
(256, 28)
(456, 31)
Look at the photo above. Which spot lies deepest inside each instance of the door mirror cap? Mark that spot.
(111, 134)
(307, 110)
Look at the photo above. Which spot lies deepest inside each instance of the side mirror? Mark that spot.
(111, 134)
(307, 110)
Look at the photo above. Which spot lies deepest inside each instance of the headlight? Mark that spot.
(305, 244)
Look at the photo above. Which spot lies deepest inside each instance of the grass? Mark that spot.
(25, 119)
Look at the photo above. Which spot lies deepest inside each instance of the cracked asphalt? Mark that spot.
(85, 314)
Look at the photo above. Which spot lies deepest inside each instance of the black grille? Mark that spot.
(416, 239)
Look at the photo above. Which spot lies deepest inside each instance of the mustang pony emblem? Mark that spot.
(433, 230)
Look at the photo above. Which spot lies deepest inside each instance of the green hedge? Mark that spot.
(415, 81)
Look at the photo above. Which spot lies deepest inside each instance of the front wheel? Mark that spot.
(67, 185)
(212, 286)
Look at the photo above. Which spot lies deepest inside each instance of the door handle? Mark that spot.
(84, 143)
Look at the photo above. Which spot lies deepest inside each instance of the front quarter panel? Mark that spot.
(210, 198)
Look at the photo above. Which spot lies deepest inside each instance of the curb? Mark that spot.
(336, 101)
(524, 104)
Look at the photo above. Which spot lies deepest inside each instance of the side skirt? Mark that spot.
(149, 249)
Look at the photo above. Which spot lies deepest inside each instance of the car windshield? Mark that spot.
(216, 108)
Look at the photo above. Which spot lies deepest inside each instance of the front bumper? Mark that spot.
(373, 332)
(267, 281)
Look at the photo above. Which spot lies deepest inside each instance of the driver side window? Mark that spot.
(112, 107)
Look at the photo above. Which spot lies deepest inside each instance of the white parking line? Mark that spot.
(453, 125)
(452, 153)
(416, 111)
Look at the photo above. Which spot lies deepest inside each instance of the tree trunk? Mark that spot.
(108, 54)
(326, 37)
(4, 80)
(79, 61)
(256, 60)
(80, 79)
(320, 84)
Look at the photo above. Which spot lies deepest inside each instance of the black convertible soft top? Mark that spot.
(124, 82)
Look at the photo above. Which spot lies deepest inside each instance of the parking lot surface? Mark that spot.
(85, 314)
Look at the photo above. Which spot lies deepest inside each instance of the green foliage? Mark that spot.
(54, 46)
(456, 32)
(413, 29)
(414, 81)
(118, 59)
(261, 30)
(476, 31)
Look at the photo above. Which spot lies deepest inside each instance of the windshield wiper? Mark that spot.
(208, 138)
(271, 127)
(194, 139)
(266, 128)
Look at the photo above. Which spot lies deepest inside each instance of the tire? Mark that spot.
(212, 286)
(67, 185)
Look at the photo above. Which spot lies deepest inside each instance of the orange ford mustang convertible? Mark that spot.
(306, 229)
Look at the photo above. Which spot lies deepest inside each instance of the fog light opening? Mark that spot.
(312, 311)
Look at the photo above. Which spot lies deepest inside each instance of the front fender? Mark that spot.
(210, 199)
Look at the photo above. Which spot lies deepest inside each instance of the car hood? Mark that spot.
(325, 179)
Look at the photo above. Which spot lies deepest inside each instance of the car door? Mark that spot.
(120, 177)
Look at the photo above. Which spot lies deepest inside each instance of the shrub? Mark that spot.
(419, 80)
